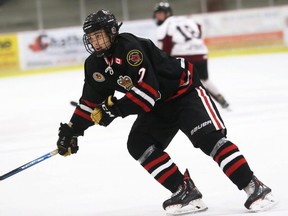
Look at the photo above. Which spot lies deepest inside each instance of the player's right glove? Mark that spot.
(67, 142)
(105, 112)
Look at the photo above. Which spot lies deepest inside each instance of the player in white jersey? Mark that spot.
(182, 37)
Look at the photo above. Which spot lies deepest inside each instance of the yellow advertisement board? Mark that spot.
(9, 55)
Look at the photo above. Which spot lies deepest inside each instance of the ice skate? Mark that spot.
(186, 200)
(260, 197)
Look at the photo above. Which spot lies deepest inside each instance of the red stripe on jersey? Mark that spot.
(235, 166)
(211, 109)
(156, 161)
(138, 102)
(149, 89)
(190, 68)
(225, 151)
(182, 79)
(183, 90)
(90, 104)
(167, 174)
(82, 114)
(180, 92)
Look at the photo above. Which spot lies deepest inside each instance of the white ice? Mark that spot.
(103, 179)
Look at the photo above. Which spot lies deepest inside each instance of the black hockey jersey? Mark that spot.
(145, 74)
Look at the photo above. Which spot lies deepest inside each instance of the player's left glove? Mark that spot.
(67, 142)
(105, 112)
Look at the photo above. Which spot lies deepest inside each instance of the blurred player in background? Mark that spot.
(182, 37)
(167, 95)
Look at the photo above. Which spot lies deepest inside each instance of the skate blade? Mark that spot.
(193, 207)
(263, 204)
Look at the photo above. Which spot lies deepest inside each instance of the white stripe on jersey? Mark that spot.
(159, 169)
(188, 79)
(211, 112)
(86, 108)
(143, 95)
(182, 63)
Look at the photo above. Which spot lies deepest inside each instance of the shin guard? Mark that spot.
(159, 164)
(232, 162)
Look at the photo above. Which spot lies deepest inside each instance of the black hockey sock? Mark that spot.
(161, 167)
(232, 162)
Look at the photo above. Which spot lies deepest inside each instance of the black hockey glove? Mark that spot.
(67, 141)
(105, 112)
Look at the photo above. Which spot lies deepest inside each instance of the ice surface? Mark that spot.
(103, 179)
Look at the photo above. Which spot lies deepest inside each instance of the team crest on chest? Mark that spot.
(98, 77)
(134, 57)
(125, 82)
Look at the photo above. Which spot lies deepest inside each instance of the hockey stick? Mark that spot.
(29, 164)
(74, 103)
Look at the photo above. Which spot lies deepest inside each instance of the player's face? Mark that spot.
(99, 40)
(160, 16)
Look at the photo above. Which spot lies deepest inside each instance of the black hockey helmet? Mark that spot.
(165, 7)
(102, 19)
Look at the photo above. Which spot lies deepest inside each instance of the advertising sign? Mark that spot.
(9, 59)
(252, 28)
(52, 48)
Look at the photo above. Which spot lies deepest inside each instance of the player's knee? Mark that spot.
(207, 142)
(131, 147)
(137, 145)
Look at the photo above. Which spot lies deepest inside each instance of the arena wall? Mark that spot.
(227, 33)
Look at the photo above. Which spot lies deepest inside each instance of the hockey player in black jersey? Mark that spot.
(167, 95)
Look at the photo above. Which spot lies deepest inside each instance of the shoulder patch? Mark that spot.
(134, 57)
(98, 77)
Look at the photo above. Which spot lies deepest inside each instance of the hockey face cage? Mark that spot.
(105, 20)
(101, 40)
